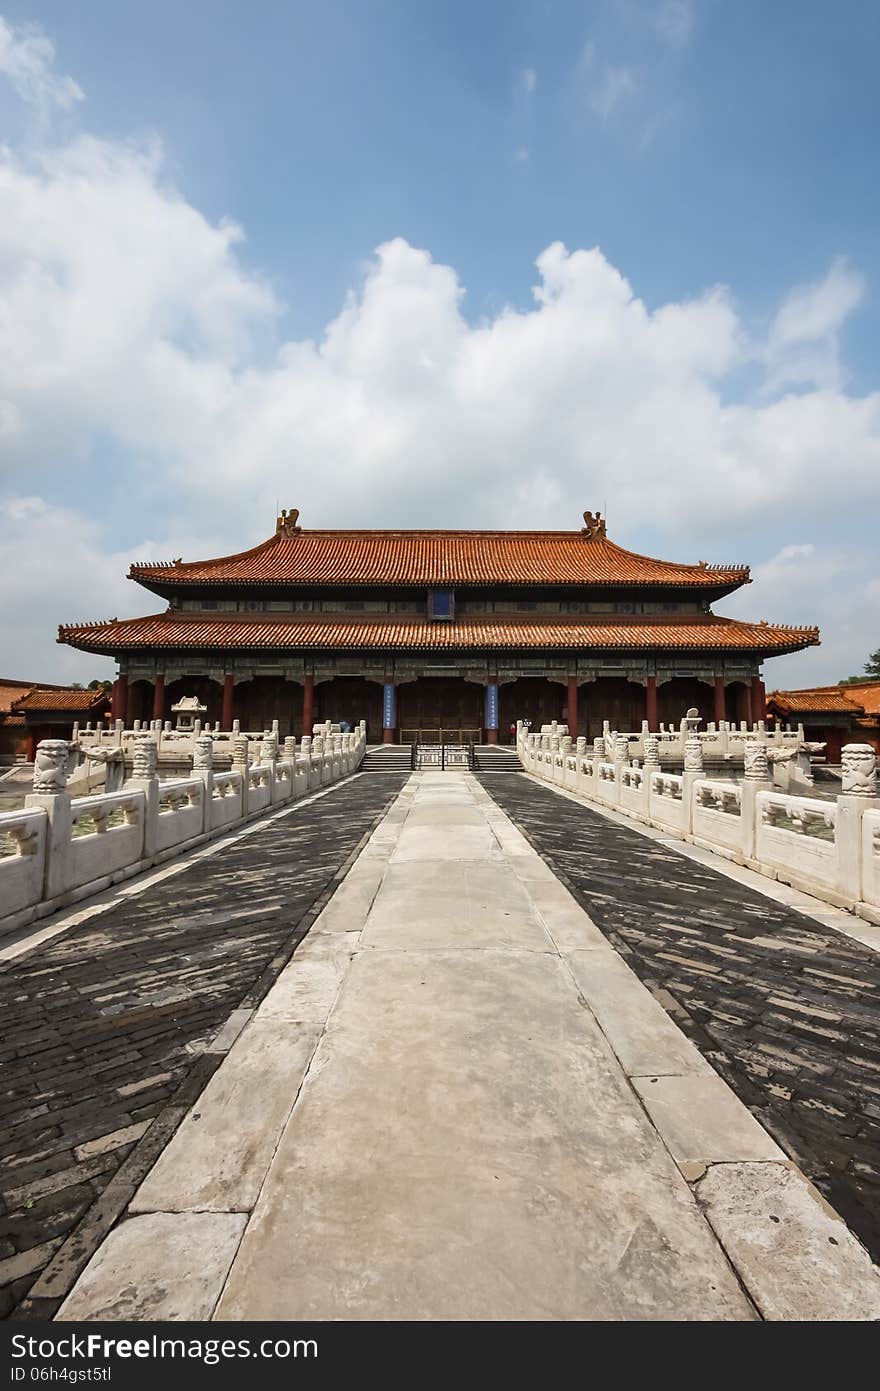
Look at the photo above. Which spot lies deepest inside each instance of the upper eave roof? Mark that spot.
(438, 558)
(173, 629)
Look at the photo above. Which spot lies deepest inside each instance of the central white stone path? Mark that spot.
(442, 1111)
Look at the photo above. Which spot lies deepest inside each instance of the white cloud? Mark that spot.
(129, 324)
(611, 87)
(831, 586)
(607, 85)
(528, 80)
(803, 346)
(673, 21)
(27, 58)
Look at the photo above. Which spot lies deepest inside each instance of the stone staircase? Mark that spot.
(387, 758)
(496, 758)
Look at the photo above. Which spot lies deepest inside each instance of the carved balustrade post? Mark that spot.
(50, 793)
(145, 777)
(858, 795)
(241, 762)
(203, 767)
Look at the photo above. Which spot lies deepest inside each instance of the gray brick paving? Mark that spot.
(786, 1010)
(108, 1024)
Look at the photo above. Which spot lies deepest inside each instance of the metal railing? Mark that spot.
(441, 735)
(442, 756)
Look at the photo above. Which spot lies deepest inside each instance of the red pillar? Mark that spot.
(159, 697)
(749, 703)
(719, 699)
(759, 699)
(573, 707)
(308, 704)
(31, 751)
(227, 715)
(120, 698)
(651, 702)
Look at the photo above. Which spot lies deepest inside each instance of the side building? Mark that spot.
(833, 715)
(423, 631)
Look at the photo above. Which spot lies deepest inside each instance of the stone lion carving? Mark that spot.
(50, 766)
(859, 765)
(693, 754)
(756, 767)
(781, 755)
(691, 720)
(269, 748)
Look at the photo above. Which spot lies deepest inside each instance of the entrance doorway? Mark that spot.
(440, 709)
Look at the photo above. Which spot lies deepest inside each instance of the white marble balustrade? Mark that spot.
(830, 849)
(62, 848)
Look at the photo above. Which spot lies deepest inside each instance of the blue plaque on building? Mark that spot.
(492, 706)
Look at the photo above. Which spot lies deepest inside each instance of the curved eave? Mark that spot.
(459, 559)
(170, 590)
(174, 633)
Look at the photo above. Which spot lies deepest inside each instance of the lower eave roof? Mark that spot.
(61, 699)
(830, 700)
(173, 630)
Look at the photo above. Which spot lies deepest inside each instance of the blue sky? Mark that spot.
(710, 372)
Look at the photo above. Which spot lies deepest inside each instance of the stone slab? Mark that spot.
(465, 1147)
(447, 843)
(643, 1037)
(702, 1121)
(159, 1266)
(486, 906)
(351, 902)
(568, 925)
(796, 1257)
(218, 1157)
(457, 813)
(308, 985)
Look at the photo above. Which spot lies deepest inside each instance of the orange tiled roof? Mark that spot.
(323, 632)
(867, 693)
(63, 699)
(10, 694)
(439, 558)
(857, 698)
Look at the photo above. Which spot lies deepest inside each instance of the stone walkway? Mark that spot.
(107, 1026)
(458, 1103)
(786, 1009)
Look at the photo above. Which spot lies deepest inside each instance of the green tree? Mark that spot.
(871, 672)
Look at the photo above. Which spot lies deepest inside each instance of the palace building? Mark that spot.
(423, 631)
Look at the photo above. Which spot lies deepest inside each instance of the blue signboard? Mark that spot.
(492, 706)
(389, 705)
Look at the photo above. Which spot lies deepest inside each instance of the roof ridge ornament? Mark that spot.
(594, 525)
(286, 522)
